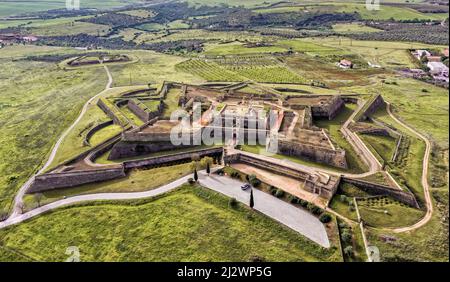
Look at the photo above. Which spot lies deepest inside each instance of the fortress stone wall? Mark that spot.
(323, 185)
(174, 158)
(94, 130)
(108, 112)
(68, 179)
(324, 109)
(329, 110)
(372, 105)
(383, 190)
(53, 181)
(133, 149)
(314, 153)
(143, 114)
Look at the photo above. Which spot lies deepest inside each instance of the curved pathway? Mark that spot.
(92, 197)
(18, 200)
(426, 187)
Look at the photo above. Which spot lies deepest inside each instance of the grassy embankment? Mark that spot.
(32, 123)
(189, 224)
(427, 112)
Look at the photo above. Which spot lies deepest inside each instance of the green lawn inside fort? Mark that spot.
(189, 224)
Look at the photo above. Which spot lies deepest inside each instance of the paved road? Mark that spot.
(93, 197)
(426, 187)
(356, 142)
(18, 200)
(297, 219)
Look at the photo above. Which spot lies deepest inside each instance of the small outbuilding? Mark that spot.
(346, 64)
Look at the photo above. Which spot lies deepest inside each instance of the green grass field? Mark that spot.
(343, 208)
(171, 102)
(151, 68)
(190, 224)
(382, 146)
(32, 123)
(385, 12)
(427, 112)
(58, 26)
(9, 8)
(237, 48)
(428, 243)
(353, 28)
(209, 71)
(385, 212)
(73, 144)
(355, 164)
(386, 53)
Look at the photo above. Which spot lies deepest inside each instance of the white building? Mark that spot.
(420, 53)
(438, 70)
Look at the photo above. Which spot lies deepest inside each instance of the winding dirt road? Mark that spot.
(426, 187)
(18, 200)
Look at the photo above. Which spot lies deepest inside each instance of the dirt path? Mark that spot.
(18, 200)
(426, 187)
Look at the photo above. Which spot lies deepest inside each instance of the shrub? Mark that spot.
(343, 198)
(12, 178)
(279, 193)
(191, 181)
(253, 180)
(205, 161)
(346, 236)
(234, 174)
(348, 251)
(232, 203)
(325, 218)
(273, 190)
(294, 200)
(316, 210)
(257, 258)
(303, 203)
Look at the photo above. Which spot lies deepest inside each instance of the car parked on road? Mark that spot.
(246, 187)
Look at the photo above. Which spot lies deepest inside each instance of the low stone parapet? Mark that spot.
(52, 181)
(383, 190)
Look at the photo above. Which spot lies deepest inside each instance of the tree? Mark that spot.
(206, 161)
(195, 175)
(253, 180)
(232, 202)
(325, 218)
(252, 201)
(348, 251)
(208, 169)
(346, 236)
